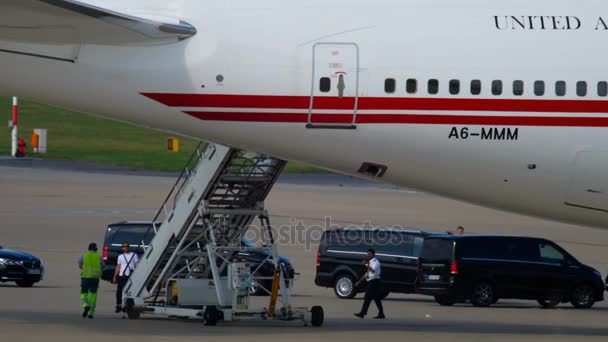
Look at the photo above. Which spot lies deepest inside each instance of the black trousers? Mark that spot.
(122, 281)
(373, 292)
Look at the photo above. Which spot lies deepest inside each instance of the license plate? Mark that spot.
(33, 271)
(433, 277)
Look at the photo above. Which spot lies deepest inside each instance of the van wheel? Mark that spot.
(483, 294)
(344, 286)
(445, 300)
(582, 297)
(548, 303)
(210, 316)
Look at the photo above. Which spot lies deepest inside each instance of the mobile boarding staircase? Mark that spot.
(191, 268)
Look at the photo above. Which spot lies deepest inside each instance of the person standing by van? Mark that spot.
(374, 285)
(125, 265)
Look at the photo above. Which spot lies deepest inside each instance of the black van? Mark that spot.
(342, 250)
(482, 269)
(137, 233)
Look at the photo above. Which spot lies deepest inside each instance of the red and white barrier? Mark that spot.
(14, 130)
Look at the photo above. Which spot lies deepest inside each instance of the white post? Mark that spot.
(14, 130)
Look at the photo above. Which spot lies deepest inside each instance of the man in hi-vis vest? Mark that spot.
(91, 265)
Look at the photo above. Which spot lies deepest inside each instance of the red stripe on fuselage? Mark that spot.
(380, 103)
(428, 119)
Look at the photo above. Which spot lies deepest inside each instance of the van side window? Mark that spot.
(549, 253)
(523, 250)
(325, 84)
(393, 243)
(482, 248)
(348, 241)
(417, 246)
(390, 85)
(497, 87)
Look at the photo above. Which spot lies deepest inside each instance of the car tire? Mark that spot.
(445, 300)
(582, 297)
(482, 294)
(317, 316)
(548, 303)
(344, 286)
(132, 313)
(211, 316)
(25, 283)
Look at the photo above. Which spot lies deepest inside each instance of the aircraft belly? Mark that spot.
(520, 176)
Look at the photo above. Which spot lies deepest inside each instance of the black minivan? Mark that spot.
(342, 250)
(482, 269)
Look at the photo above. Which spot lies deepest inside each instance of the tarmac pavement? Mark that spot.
(54, 213)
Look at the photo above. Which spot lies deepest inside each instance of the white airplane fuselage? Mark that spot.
(251, 78)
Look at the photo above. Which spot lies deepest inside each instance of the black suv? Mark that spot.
(140, 233)
(482, 269)
(342, 250)
(20, 267)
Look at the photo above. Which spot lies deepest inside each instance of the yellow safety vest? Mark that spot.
(91, 265)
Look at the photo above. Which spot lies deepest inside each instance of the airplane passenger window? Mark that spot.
(539, 88)
(602, 89)
(389, 85)
(325, 84)
(433, 86)
(560, 88)
(581, 88)
(496, 87)
(411, 86)
(518, 88)
(475, 87)
(454, 87)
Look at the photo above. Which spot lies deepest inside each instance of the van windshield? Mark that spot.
(437, 250)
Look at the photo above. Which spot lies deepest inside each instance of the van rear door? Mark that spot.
(435, 261)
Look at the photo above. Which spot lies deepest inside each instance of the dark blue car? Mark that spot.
(20, 267)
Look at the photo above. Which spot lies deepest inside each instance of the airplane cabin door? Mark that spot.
(335, 86)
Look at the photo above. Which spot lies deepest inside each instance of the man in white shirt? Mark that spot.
(125, 264)
(374, 285)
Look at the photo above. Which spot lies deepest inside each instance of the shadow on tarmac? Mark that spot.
(8, 285)
(110, 324)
